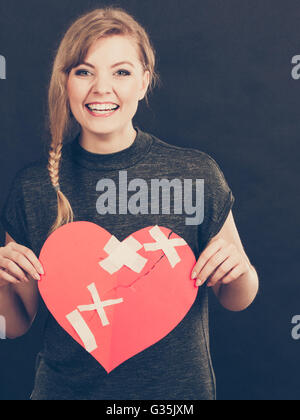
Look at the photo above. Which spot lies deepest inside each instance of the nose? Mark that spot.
(102, 85)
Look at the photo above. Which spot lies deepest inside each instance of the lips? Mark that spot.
(102, 107)
(102, 110)
(101, 103)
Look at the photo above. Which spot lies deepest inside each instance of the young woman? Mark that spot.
(104, 66)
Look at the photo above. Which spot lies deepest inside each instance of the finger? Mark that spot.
(7, 278)
(234, 274)
(11, 267)
(222, 271)
(206, 255)
(20, 260)
(29, 254)
(213, 263)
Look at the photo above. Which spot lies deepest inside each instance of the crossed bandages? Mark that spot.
(121, 254)
(125, 253)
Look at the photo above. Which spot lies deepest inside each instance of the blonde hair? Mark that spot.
(71, 52)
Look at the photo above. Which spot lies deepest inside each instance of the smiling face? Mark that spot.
(111, 76)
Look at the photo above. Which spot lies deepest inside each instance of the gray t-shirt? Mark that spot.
(178, 366)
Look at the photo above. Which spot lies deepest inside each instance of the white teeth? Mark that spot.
(104, 107)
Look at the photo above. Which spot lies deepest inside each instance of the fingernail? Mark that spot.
(37, 277)
(194, 275)
(198, 283)
(41, 271)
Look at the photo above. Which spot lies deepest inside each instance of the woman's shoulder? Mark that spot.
(32, 172)
(189, 156)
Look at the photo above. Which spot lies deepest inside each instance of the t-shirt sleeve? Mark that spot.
(13, 215)
(218, 201)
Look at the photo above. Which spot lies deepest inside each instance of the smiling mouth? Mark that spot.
(102, 110)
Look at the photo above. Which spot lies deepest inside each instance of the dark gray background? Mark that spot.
(227, 90)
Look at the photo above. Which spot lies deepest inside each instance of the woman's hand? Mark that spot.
(16, 262)
(220, 263)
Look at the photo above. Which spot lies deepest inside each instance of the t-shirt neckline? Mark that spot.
(113, 161)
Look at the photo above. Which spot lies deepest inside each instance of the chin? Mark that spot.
(99, 132)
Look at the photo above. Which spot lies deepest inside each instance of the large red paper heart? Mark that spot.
(139, 303)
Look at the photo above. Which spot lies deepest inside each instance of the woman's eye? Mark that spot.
(125, 72)
(82, 72)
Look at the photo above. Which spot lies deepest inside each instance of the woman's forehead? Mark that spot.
(114, 48)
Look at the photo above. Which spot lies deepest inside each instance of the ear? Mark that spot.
(145, 84)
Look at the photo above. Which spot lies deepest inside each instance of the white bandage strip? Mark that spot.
(167, 245)
(98, 305)
(123, 254)
(79, 324)
(82, 329)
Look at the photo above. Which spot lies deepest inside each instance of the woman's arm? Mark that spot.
(227, 269)
(18, 299)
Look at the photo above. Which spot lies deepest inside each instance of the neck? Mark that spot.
(108, 142)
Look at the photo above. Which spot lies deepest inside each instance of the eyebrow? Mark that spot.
(114, 65)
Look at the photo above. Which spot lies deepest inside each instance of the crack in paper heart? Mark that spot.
(139, 278)
(134, 282)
